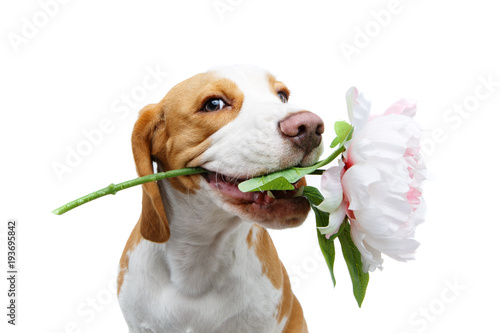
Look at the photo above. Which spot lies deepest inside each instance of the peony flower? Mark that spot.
(377, 182)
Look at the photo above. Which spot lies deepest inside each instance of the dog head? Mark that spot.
(237, 123)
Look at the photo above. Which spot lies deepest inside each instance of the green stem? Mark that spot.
(112, 188)
(331, 158)
(337, 152)
(317, 172)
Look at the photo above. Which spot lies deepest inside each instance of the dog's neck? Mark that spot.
(205, 241)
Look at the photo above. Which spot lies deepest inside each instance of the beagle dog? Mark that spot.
(200, 258)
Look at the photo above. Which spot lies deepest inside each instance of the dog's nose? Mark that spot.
(303, 129)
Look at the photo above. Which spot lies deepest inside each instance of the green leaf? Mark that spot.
(280, 180)
(313, 195)
(352, 258)
(273, 182)
(343, 130)
(326, 245)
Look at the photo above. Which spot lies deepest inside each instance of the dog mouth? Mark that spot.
(228, 187)
(272, 209)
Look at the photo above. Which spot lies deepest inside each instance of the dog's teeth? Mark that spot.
(300, 192)
(270, 194)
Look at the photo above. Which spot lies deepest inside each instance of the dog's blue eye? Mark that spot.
(283, 96)
(214, 104)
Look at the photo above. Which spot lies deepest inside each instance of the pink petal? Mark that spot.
(404, 107)
(413, 196)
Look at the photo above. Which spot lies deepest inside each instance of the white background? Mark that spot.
(71, 73)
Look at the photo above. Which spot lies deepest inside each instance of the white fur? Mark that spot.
(251, 144)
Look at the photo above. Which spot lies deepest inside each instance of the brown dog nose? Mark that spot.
(303, 129)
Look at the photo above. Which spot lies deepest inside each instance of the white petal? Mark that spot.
(370, 264)
(358, 108)
(374, 222)
(331, 188)
(382, 186)
(391, 129)
(371, 257)
(418, 215)
(336, 219)
(397, 249)
(356, 181)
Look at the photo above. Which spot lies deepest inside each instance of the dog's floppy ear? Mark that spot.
(153, 221)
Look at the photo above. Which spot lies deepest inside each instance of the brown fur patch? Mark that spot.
(153, 221)
(250, 238)
(290, 307)
(132, 242)
(266, 252)
(174, 133)
(259, 239)
(285, 306)
(184, 136)
(296, 322)
(276, 86)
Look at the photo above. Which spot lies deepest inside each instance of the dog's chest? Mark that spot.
(239, 298)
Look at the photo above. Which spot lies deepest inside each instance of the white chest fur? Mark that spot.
(204, 279)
